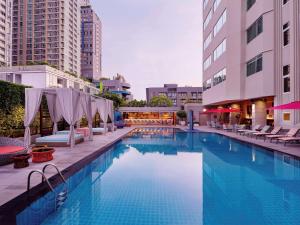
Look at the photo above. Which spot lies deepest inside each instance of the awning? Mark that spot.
(292, 105)
(221, 110)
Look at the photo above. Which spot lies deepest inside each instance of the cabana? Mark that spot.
(66, 103)
(105, 109)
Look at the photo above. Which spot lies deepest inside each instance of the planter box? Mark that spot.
(43, 154)
(182, 123)
(21, 161)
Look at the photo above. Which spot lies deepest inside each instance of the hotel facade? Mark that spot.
(91, 43)
(47, 31)
(5, 32)
(251, 58)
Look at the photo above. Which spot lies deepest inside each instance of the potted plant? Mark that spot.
(42, 154)
(21, 161)
(182, 117)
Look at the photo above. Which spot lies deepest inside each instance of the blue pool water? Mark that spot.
(169, 177)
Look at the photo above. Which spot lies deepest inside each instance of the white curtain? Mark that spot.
(86, 104)
(110, 108)
(33, 98)
(103, 111)
(54, 110)
(69, 101)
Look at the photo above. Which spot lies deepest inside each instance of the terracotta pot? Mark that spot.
(21, 161)
(43, 154)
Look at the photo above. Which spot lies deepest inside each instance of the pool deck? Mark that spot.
(13, 182)
(291, 149)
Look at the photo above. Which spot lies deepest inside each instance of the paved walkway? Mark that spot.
(292, 149)
(13, 182)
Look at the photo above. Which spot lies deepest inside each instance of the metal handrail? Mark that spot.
(44, 178)
(58, 171)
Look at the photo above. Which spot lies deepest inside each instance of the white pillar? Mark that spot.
(259, 113)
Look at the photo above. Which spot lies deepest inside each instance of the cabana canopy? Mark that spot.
(292, 105)
(65, 103)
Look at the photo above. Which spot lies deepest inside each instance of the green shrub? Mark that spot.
(181, 114)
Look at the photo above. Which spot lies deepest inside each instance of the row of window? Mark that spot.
(218, 26)
(218, 52)
(217, 79)
(211, 11)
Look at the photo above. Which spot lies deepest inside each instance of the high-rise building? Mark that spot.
(178, 95)
(5, 32)
(47, 31)
(91, 43)
(251, 58)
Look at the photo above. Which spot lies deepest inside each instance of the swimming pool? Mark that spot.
(165, 176)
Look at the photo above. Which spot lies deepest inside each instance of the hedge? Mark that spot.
(12, 102)
(11, 96)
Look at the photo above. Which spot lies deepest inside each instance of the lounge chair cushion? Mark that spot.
(57, 138)
(10, 149)
(98, 130)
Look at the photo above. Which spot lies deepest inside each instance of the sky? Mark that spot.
(151, 42)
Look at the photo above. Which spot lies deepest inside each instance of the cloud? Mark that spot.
(152, 42)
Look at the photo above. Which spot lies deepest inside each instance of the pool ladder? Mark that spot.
(61, 197)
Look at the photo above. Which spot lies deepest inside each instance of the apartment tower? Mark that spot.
(250, 50)
(47, 31)
(91, 43)
(5, 32)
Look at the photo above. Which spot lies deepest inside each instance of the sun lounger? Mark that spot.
(264, 134)
(58, 140)
(242, 131)
(287, 140)
(264, 130)
(291, 133)
(228, 127)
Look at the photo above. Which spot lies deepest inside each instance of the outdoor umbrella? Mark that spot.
(292, 105)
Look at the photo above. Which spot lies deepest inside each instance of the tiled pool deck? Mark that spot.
(13, 182)
(292, 149)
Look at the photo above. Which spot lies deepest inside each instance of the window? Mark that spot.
(216, 4)
(286, 116)
(207, 62)
(286, 79)
(286, 70)
(18, 78)
(286, 84)
(207, 85)
(250, 3)
(286, 34)
(255, 29)
(284, 2)
(208, 18)
(205, 3)
(254, 65)
(207, 41)
(220, 23)
(220, 50)
(219, 77)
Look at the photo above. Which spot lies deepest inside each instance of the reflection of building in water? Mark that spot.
(237, 175)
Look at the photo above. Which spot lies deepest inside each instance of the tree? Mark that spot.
(117, 99)
(161, 101)
(136, 103)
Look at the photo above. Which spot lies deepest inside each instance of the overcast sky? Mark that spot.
(152, 42)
